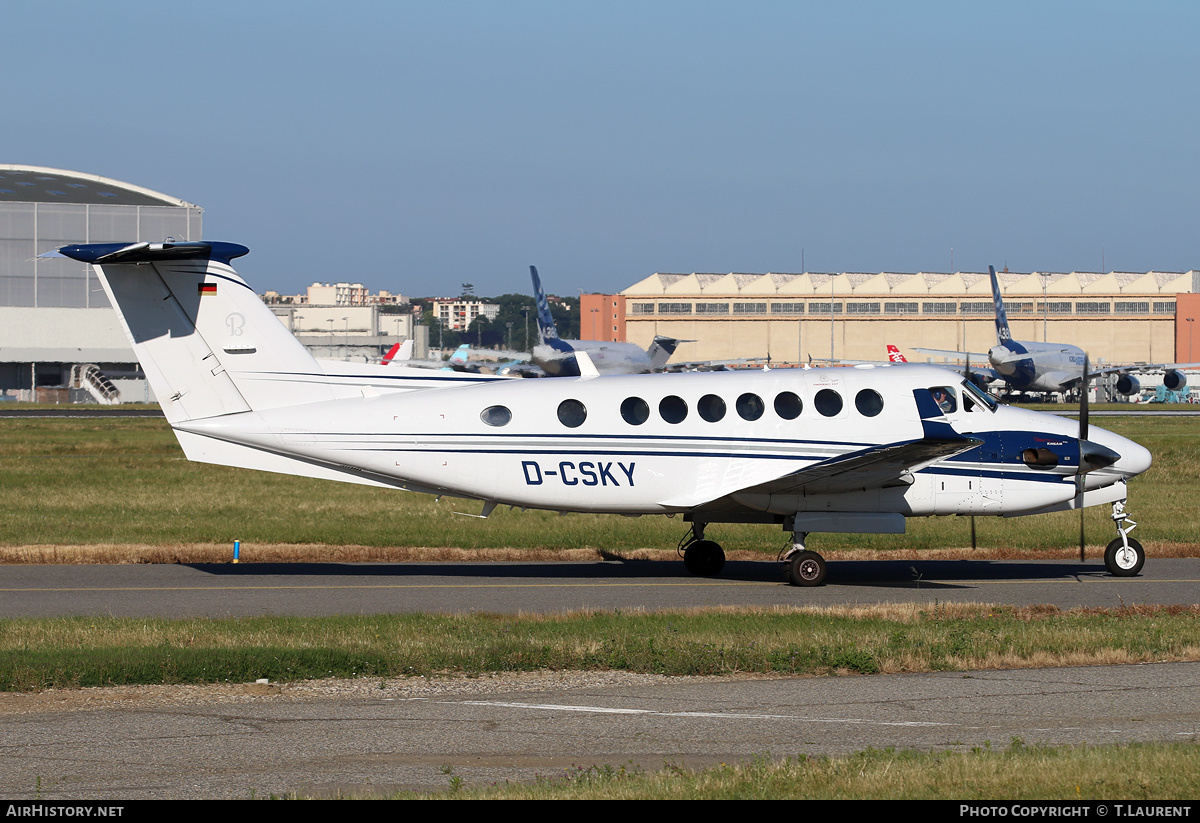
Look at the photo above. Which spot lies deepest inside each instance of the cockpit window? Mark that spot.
(945, 397)
(979, 394)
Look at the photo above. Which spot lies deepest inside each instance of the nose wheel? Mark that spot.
(1124, 557)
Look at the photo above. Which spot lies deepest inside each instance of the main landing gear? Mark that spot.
(1124, 557)
(804, 567)
(706, 558)
(703, 558)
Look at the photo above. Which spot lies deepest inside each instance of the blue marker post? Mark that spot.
(237, 546)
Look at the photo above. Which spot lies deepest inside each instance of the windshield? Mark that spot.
(980, 395)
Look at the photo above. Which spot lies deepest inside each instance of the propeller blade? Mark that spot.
(1083, 401)
(1086, 454)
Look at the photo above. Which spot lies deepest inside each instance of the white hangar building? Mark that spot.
(55, 321)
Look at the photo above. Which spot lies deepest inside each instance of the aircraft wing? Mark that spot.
(1072, 380)
(714, 365)
(954, 355)
(1139, 368)
(875, 467)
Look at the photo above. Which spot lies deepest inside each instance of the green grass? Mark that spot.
(71, 652)
(126, 481)
(1013, 772)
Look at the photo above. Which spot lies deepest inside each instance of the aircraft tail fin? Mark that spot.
(1003, 335)
(894, 355)
(208, 344)
(398, 353)
(660, 351)
(546, 328)
(461, 356)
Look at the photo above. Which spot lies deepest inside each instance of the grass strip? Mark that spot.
(1134, 772)
(73, 652)
(125, 481)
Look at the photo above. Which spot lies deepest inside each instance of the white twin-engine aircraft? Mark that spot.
(816, 450)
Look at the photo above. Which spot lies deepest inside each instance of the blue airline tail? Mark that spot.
(1003, 335)
(546, 328)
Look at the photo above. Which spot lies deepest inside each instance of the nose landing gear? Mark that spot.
(1124, 557)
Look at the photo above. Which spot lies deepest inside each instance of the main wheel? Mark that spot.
(806, 569)
(704, 558)
(1122, 562)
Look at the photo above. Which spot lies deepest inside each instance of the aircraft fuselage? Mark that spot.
(608, 444)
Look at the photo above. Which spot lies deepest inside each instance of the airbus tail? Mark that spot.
(894, 355)
(1003, 335)
(545, 320)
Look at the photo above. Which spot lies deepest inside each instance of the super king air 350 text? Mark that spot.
(818, 450)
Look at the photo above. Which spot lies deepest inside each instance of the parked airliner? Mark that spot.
(1028, 366)
(557, 357)
(810, 450)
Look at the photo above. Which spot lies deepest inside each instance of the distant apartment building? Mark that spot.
(602, 317)
(336, 294)
(457, 315)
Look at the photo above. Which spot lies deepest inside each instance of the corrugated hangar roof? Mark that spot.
(849, 285)
(37, 184)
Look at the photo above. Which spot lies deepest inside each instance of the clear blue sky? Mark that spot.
(417, 146)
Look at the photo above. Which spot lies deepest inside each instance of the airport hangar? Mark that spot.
(55, 319)
(60, 340)
(1117, 317)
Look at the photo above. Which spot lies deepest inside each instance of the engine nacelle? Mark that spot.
(1127, 384)
(1174, 380)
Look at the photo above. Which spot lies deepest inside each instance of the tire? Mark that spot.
(807, 569)
(1121, 563)
(704, 558)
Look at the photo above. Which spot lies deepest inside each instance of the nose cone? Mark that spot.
(1132, 459)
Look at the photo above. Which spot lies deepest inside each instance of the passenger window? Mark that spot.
(868, 402)
(496, 415)
(572, 413)
(673, 409)
(711, 408)
(828, 403)
(750, 406)
(635, 410)
(945, 398)
(788, 405)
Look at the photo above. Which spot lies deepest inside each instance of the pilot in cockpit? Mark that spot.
(944, 397)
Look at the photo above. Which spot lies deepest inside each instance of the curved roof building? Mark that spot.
(54, 315)
(43, 208)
